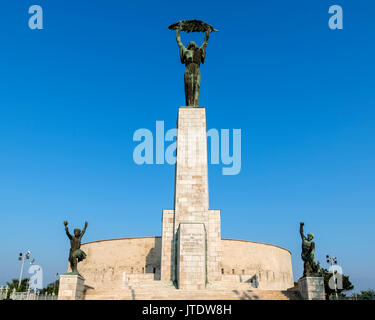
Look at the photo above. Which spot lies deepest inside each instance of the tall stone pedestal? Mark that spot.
(191, 217)
(71, 287)
(311, 288)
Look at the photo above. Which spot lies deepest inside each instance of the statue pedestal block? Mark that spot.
(71, 287)
(311, 288)
(191, 256)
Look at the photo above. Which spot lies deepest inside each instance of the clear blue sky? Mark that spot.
(72, 95)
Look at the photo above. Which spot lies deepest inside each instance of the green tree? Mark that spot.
(14, 285)
(52, 287)
(346, 284)
(367, 295)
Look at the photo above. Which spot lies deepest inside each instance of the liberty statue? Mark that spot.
(192, 56)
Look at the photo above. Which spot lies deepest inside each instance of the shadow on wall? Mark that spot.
(246, 295)
(267, 295)
(253, 281)
(153, 259)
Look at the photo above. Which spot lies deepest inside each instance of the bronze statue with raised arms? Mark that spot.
(192, 56)
(75, 253)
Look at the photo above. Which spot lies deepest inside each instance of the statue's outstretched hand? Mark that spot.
(302, 223)
(86, 224)
(65, 223)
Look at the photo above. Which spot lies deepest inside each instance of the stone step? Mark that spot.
(174, 294)
(161, 284)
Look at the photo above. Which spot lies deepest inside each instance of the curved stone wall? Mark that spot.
(110, 262)
(107, 260)
(271, 264)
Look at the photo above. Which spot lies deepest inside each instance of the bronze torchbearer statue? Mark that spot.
(192, 57)
(75, 254)
(310, 267)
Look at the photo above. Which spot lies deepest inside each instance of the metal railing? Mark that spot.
(28, 295)
(354, 297)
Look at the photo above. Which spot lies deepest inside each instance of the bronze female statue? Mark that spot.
(192, 57)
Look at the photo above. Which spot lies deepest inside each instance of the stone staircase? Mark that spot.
(159, 290)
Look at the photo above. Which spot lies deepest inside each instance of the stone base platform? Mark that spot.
(71, 287)
(311, 288)
(191, 254)
(159, 290)
(115, 267)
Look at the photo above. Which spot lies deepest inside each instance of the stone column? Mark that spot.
(71, 287)
(191, 193)
(311, 288)
(191, 205)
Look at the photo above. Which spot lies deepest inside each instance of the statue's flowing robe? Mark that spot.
(192, 58)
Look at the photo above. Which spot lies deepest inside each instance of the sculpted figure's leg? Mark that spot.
(193, 83)
(197, 87)
(309, 268)
(189, 88)
(73, 264)
(304, 269)
(186, 82)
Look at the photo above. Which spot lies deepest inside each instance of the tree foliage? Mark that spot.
(367, 295)
(52, 287)
(346, 284)
(14, 285)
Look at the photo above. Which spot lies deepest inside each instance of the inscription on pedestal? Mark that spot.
(191, 242)
(191, 259)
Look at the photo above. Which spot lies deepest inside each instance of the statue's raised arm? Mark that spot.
(84, 230)
(205, 42)
(180, 45)
(178, 39)
(67, 230)
(301, 230)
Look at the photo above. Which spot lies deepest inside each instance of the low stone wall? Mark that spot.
(107, 260)
(113, 263)
(271, 264)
